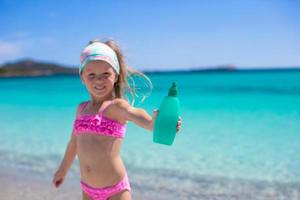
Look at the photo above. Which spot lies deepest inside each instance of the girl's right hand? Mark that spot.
(58, 178)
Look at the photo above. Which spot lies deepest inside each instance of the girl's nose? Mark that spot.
(99, 78)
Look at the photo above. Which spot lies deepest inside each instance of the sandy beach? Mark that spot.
(16, 186)
(149, 186)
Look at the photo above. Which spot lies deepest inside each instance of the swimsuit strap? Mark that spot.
(104, 106)
(84, 104)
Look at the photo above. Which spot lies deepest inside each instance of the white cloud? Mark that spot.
(22, 44)
(10, 50)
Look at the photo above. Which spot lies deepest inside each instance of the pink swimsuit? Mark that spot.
(100, 125)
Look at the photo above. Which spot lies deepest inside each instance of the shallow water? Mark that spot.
(242, 127)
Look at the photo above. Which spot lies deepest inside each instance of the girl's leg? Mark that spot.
(85, 196)
(124, 195)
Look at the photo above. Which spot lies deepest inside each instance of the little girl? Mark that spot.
(100, 124)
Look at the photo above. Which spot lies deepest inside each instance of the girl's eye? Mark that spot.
(91, 75)
(102, 76)
(106, 74)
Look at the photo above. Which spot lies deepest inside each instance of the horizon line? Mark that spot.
(219, 67)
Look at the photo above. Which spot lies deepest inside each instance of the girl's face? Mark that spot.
(99, 78)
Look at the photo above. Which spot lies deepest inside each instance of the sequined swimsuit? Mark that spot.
(98, 124)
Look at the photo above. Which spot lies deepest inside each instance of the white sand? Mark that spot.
(16, 187)
(147, 186)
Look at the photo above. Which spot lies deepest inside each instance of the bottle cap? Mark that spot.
(173, 90)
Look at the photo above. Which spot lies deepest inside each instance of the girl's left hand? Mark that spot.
(179, 122)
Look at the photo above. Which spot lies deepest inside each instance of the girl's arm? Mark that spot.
(69, 156)
(137, 115)
(70, 152)
(66, 163)
(68, 159)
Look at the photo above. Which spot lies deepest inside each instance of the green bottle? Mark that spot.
(166, 121)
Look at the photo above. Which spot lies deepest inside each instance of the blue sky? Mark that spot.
(155, 35)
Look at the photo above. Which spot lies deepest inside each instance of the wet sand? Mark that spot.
(152, 185)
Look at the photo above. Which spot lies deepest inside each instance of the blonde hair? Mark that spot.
(126, 83)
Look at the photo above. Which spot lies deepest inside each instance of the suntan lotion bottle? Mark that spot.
(166, 121)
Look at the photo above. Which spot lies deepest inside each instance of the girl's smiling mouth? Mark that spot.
(99, 88)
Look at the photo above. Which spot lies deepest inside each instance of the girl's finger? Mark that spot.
(155, 112)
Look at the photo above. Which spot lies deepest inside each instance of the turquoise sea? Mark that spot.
(239, 127)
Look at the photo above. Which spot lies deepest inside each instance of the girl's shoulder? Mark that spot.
(120, 108)
(115, 110)
(120, 103)
(80, 107)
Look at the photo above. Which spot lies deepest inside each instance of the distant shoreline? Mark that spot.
(224, 70)
(167, 72)
(31, 68)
